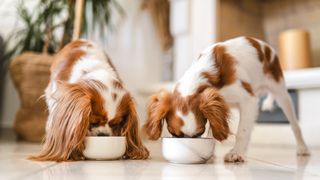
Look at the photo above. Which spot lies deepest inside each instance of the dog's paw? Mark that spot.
(303, 151)
(234, 157)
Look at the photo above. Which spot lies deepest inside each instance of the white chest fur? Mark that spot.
(189, 124)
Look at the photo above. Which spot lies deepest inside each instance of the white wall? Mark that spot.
(194, 28)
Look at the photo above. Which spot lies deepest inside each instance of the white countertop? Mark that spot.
(303, 78)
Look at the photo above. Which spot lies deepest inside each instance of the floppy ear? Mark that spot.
(135, 148)
(70, 120)
(216, 110)
(157, 110)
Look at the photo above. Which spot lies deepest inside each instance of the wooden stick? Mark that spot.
(78, 19)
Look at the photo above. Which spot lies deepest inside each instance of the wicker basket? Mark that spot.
(30, 73)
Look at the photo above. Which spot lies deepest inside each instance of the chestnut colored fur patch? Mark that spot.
(180, 103)
(216, 110)
(257, 46)
(270, 66)
(247, 87)
(274, 68)
(66, 58)
(267, 53)
(98, 114)
(158, 108)
(224, 63)
(174, 124)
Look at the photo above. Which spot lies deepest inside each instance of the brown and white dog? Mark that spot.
(235, 72)
(86, 97)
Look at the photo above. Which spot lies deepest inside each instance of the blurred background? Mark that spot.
(152, 43)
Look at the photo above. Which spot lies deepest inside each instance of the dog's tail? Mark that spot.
(268, 103)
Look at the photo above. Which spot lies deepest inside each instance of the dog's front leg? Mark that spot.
(248, 114)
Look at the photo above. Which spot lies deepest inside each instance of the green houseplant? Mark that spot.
(35, 43)
(40, 27)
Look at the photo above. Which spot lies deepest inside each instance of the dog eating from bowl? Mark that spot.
(86, 97)
(235, 72)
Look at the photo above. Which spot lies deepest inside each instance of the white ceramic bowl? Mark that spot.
(187, 150)
(104, 147)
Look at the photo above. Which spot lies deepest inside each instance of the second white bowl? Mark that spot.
(187, 150)
(104, 147)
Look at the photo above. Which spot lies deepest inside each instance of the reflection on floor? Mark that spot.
(264, 162)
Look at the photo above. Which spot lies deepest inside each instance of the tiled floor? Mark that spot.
(264, 162)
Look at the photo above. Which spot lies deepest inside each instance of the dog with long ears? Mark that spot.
(86, 97)
(232, 73)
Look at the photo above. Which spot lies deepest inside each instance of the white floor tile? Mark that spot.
(264, 162)
(286, 157)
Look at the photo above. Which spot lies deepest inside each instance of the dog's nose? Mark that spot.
(102, 134)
